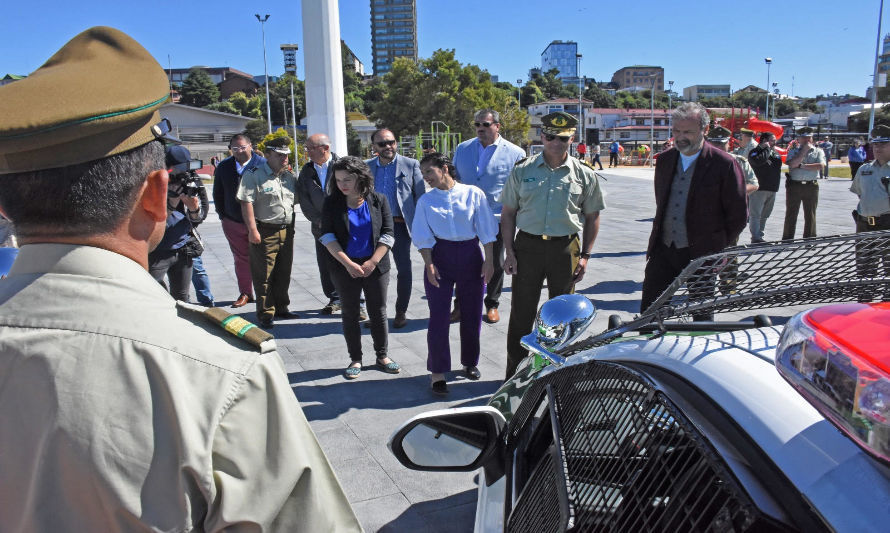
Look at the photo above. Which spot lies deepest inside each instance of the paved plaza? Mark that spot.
(354, 419)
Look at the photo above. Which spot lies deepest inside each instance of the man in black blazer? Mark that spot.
(700, 203)
(312, 190)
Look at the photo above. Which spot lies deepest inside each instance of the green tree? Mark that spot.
(198, 90)
(859, 121)
(256, 131)
(279, 97)
(598, 96)
(280, 132)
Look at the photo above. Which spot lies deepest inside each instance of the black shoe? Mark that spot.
(472, 373)
(440, 388)
(332, 307)
(400, 321)
(286, 314)
(266, 323)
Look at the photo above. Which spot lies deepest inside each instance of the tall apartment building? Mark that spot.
(393, 32)
(561, 55)
(639, 77)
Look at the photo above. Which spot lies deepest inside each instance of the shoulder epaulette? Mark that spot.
(523, 160)
(235, 325)
(587, 164)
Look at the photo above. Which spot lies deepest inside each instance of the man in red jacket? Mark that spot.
(700, 203)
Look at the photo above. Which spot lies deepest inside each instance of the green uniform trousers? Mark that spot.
(270, 267)
(536, 260)
(797, 193)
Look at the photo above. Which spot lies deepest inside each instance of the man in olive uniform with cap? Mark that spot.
(267, 194)
(121, 409)
(802, 186)
(549, 198)
(746, 142)
(872, 185)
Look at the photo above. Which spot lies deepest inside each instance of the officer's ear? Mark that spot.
(153, 196)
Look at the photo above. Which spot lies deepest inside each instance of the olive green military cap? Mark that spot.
(719, 134)
(746, 131)
(558, 123)
(880, 134)
(97, 96)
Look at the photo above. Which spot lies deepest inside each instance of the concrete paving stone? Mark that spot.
(363, 479)
(392, 513)
(341, 444)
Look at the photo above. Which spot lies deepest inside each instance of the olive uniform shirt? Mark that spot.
(551, 201)
(814, 155)
(874, 198)
(120, 411)
(747, 171)
(273, 197)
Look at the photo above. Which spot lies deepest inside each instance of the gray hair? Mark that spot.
(495, 116)
(692, 111)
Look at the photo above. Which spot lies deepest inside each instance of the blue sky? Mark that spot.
(819, 46)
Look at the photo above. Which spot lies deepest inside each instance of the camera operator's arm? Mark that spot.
(204, 207)
(193, 207)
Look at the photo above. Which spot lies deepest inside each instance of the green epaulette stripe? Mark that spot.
(237, 326)
(85, 120)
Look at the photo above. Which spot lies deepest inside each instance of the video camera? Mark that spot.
(182, 169)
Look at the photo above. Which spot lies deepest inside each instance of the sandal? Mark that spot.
(352, 372)
(390, 368)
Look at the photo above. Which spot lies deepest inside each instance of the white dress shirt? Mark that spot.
(459, 214)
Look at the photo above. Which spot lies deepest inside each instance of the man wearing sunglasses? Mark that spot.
(486, 161)
(549, 198)
(399, 179)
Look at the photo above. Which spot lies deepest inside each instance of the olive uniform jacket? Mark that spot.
(716, 208)
(121, 410)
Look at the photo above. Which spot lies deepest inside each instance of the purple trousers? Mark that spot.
(459, 263)
(236, 234)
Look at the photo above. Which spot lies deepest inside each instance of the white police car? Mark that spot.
(718, 426)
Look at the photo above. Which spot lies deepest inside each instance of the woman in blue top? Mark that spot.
(856, 156)
(357, 230)
(449, 223)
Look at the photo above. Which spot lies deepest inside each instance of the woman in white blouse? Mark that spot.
(450, 222)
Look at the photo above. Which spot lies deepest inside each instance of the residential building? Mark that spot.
(351, 59)
(884, 59)
(393, 32)
(563, 56)
(697, 92)
(751, 89)
(566, 105)
(9, 78)
(229, 80)
(639, 77)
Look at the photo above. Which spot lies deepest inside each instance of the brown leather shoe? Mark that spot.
(492, 316)
(242, 300)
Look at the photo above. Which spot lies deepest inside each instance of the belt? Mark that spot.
(874, 221)
(801, 182)
(399, 219)
(549, 237)
(272, 226)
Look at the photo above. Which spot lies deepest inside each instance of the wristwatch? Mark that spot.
(585, 255)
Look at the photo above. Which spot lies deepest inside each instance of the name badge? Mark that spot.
(267, 189)
(866, 172)
(529, 180)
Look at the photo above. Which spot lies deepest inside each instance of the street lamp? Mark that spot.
(266, 70)
(874, 79)
(580, 104)
(519, 93)
(670, 110)
(768, 61)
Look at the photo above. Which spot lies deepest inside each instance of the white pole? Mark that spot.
(325, 109)
(293, 112)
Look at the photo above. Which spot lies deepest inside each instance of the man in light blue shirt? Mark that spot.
(398, 178)
(486, 161)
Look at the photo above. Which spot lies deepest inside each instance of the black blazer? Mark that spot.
(335, 219)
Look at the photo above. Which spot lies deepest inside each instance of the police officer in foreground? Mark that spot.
(872, 185)
(121, 409)
(268, 193)
(549, 198)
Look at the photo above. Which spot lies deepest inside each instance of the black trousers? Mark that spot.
(177, 266)
(324, 273)
(664, 265)
(613, 159)
(869, 258)
(350, 290)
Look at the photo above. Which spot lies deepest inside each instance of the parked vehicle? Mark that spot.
(667, 425)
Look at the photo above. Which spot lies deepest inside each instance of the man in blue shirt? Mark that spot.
(486, 161)
(614, 148)
(399, 179)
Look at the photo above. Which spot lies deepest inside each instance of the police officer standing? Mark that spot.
(123, 410)
(267, 194)
(805, 162)
(872, 185)
(549, 198)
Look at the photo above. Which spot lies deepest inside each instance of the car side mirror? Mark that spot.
(560, 321)
(449, 440)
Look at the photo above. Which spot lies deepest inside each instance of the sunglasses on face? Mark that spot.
(484, 124)
(383, 144)
(560, 137)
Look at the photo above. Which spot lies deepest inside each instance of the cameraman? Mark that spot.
(173, 256)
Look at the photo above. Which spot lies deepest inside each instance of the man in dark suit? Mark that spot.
(700, 203)
(312, 190)
(226, 179)
(398, 178)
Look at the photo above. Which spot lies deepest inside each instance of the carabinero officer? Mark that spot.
(872, 185)
(121, 409)
(549, 198)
